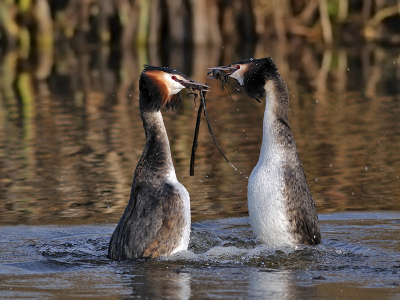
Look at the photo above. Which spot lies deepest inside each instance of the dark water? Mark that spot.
(359, 258)
(71, 135)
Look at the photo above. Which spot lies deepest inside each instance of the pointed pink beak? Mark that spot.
(216, 71)
(194, 85)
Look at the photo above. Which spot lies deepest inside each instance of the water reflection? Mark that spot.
(267, 284)
(71, 133)
(156, 283)
(158, 280)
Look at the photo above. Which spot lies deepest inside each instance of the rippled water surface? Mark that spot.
(71, 135)
(359, 256)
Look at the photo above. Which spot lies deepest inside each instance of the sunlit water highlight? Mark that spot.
(359, 251)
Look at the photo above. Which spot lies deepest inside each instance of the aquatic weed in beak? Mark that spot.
(222, 74)
(195, 145)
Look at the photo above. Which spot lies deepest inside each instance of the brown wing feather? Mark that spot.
(151, 225)
(301, 208)
(170, 232)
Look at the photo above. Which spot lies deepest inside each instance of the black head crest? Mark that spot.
(147, 68)
(154, 92)
(258, 72)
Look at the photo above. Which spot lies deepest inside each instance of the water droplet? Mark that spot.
(394, 62)
(316, 179)
(348, 69)
(233, 166)
(366, 168)
(330, 166)
(294, 96)
(316, 101)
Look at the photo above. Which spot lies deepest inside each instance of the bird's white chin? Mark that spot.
(176, 88)
(173, 86)
(238, 75)
(240, 80)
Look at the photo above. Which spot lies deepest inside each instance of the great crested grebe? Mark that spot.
(156, 221)
(281, 208)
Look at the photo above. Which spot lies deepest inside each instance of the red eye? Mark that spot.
(237, 67)
(173, 77)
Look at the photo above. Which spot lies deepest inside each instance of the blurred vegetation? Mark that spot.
(128, 23)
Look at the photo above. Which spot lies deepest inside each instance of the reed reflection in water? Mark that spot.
(71, 133)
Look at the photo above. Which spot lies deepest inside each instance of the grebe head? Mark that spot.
(161, 86)
(253, 74)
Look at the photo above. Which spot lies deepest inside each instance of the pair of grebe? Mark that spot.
(156, 221)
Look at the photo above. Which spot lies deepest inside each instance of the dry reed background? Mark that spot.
(128, 23)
